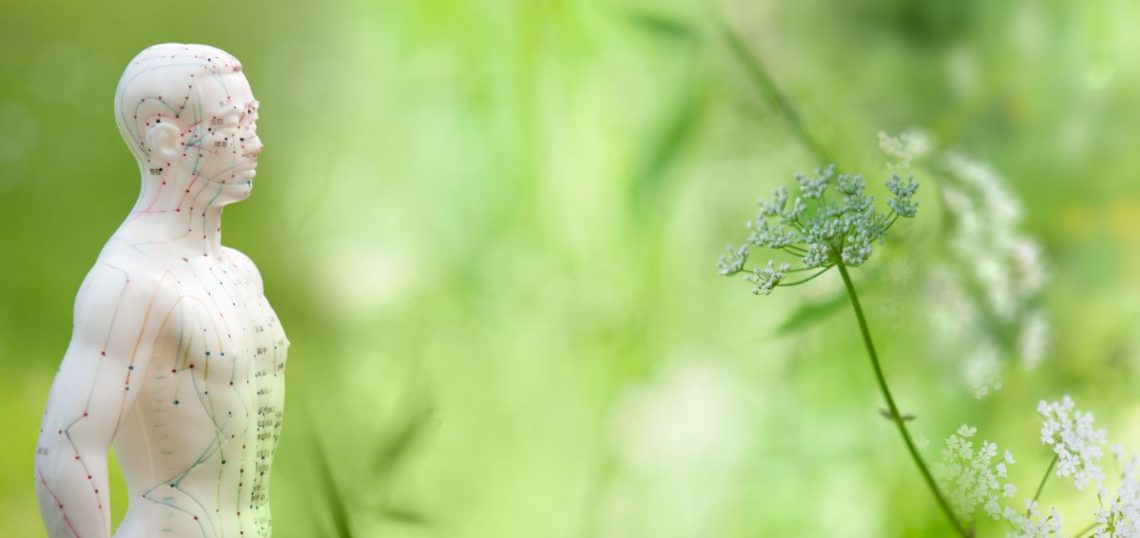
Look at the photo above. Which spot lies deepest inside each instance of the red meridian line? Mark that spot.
(185, 194)
(115, 314)
(110, 328)
(86, 471)
(213, 320)
(134, 353)
(155, 199)
(161, 327)
(58, 503)
(159, 242)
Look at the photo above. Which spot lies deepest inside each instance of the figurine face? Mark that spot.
(226, 136)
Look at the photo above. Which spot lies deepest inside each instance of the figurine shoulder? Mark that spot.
(135, 272)
(120, 296)
(240, 262)
(112, 281)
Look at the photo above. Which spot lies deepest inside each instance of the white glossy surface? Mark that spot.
(176, 358)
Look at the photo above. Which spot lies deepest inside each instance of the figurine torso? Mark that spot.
(196, 448)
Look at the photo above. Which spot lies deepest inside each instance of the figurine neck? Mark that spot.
(182, 210)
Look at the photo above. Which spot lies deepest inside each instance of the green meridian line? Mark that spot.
(896, 416)
(177, 480)
(211, 204)
(183, 353)
(169, 502)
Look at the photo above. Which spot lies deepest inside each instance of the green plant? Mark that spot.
(832, 222)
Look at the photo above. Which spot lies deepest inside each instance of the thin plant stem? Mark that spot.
(1086, 530)
(896, 416)
(1045, 478)
(808, 279)
(747, 270)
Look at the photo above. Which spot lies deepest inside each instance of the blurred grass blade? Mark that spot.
(663, 26)
(334, 501)
(402, 515)
(810, 313)
(396, 448)
(759, 75)
(665, 149)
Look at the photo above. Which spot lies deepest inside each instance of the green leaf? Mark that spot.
(336, 504)
(810, 313)
(677, 130)
(663, 26)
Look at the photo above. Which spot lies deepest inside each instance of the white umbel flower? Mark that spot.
(905, 147)
(975, 476)
(1027, 525)
(1076, 442)
(831, 220)
(1120, 517)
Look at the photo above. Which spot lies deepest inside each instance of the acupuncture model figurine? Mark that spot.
(176, 357)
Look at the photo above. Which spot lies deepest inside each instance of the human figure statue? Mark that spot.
(176, 358)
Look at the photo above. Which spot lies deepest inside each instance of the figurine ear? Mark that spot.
(162, 138)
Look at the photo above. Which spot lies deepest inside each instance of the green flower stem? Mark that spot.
(896, 416)
(808, 279)
(1086, 530)
(1045, 478)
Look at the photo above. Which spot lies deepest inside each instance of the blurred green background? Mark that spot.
(490, 227)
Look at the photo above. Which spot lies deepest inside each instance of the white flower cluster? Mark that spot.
(1007, 263)
(983, 371)
(978, 477)
(1120, 518)
(905, 147)
(1077, 444)
(732, 261)
(973, 476)
(766, 278)
(832, 220)
(1028, 525)
(902, 203)
(993, 277)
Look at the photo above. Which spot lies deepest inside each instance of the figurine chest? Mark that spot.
(227, 331)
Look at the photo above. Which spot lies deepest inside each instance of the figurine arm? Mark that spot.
(118, 318)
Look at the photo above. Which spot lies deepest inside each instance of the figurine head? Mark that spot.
(189, 117)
